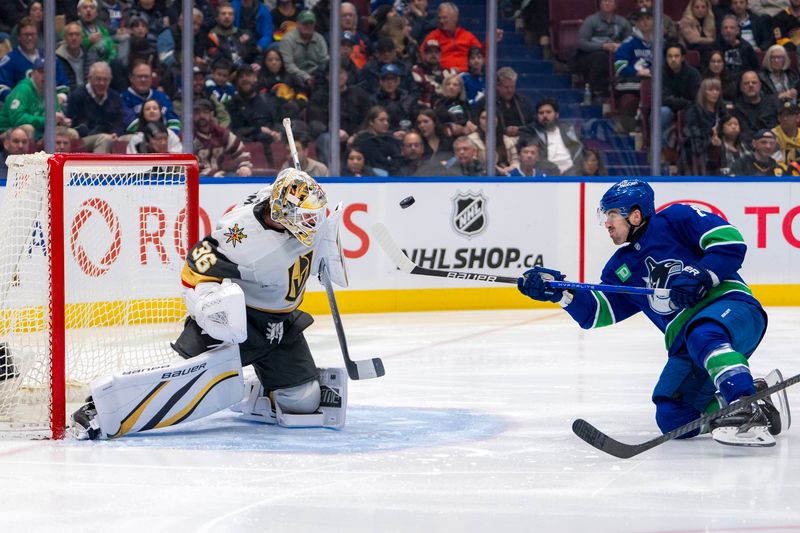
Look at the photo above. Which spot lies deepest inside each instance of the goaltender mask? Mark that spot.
(244, 283)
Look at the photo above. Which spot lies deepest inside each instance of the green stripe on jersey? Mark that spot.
(721, 235)
(686, 315)
(604, 316)
(720, 362)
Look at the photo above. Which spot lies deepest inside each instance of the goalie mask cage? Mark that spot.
(91, 252)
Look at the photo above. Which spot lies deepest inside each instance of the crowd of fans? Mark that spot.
(412, 85)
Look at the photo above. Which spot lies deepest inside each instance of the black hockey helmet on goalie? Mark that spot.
(298, 204)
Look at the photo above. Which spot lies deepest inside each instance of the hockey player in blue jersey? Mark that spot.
(711, 322)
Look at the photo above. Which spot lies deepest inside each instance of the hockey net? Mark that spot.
(91, 249)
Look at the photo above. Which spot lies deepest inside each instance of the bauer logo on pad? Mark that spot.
(469, 213)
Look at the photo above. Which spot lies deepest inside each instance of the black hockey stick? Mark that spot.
(365, 369)
(407, 265)
(604, 443)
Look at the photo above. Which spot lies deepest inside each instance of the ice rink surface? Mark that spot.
(469, 431)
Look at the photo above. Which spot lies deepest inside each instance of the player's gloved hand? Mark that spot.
(690, 286)
(532, 284)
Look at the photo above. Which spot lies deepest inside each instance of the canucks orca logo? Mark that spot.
(658, 274)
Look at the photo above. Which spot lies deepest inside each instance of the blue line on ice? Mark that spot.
(368, 429)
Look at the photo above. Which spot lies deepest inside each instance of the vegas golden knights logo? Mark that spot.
(298, 276)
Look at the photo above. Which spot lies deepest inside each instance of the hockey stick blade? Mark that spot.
(364, 369)
(401, 260)
(593, 436)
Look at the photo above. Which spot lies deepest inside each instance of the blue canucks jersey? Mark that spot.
(678, 236)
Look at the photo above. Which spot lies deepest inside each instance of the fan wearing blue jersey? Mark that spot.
(711, 322)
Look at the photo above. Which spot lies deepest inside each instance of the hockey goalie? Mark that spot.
(244, 283)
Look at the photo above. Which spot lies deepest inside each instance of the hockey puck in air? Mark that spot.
(408, 201)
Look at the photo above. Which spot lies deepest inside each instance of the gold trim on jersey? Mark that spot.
(192, 278)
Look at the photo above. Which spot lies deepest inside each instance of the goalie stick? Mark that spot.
(367, 368)
(407, 265)
(604, 443)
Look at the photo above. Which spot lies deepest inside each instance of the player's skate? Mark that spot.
(749, 426)
(83, 423)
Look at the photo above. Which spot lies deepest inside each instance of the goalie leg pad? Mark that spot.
(151, 398)
(320, 403)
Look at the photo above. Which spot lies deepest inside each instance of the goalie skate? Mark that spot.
(83, 423)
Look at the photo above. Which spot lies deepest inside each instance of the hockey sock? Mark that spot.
(730, 372)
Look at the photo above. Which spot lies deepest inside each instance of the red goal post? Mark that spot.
(91, 250)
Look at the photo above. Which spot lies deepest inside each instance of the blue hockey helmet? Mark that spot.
(627, 194)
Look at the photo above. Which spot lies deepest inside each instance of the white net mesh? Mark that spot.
(124, 243)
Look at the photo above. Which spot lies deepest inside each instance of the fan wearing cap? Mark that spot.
(398, 103)
(213, 143)
(454, 40)
(760, 162)
(304, 51)
(787, 134)
(24, 106)
(428, 74)
(386, 54)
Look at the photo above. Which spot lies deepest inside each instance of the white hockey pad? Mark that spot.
(331, 412)
(219, 309)
(329, 248)
(157, 397)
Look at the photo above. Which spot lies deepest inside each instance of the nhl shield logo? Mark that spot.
(469, 213)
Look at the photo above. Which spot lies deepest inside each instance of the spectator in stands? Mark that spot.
(599, 37)
(452, 109)
(530, 163)
(739, 55)
(135, 46)
(475, 77)
(10, 15)
(787, 134)
(15, 142)
(697, 26)
(466, 162)
(289, 90)
(24, 106)
(112, 13)
(227, 40)
(151, 112)
(534, 18)
(71, 57)
(753, 28)
(253, 114)
(15, 65)
(221, 115)
(219, 83)
(139, 90)
(399, 104)
(680, 84)
(591, 164)
(254, 18)
(438, 146)
(346, 45)
(35, 12)
(454, 40)
(304, 50)
(428, 75)
(386, 54)
(308, 165)
(154, 18)
(421, 19)
(514, 110)
(354, 103)
(63, 141)
(632, 62)
(767, 8)
(754, 110)
(760, 162)
(97, 41)
(505, 147)
(155, 139)
(169, 43)
(378, 16)
(701, 130)
(670, 28)
(284, 18)
(558, 138)
(362, 46)
(777, 76)
(732, 149)
(714, 67)
(213, 143)
(399, 29)
(414, 161)
(355, 164)
(96, 111)
(375, 141)
(786, 25)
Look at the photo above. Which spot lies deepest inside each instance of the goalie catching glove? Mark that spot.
(219, 309)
